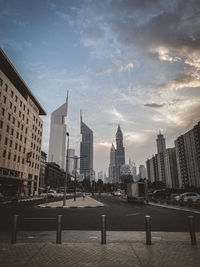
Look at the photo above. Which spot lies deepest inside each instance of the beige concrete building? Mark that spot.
(20, 133)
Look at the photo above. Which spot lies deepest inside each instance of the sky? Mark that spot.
(130, 62)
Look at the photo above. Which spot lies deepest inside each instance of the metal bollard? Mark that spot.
(59, 229)
(14, 229)
(103, 229)
(192, 230)
(148, 229)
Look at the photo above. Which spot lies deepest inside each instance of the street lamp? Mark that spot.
(65, 182)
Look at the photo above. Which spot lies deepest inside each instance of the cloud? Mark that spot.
(154, 105)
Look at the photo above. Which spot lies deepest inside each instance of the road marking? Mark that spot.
(132, 214)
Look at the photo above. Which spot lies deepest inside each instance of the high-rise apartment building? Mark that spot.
(86, 151)
(20, 133)
(142, 172)
(57, 140)
(188, 158)
(161, 146)
(171, 168)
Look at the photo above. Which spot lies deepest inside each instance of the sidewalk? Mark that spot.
(88, 202)
(122, 249)
(175, 207)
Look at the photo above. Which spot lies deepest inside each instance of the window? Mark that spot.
(16, 145)
(24, 150)
(23, 117)
(2, 111)
(27, 111)
(12, 131)
(4, 99)
(20, 114)
(21, 137)
(32, 135)
(23, 161)
(25, 140)
(15, 109)
(4, 153)
(9, 116)
(10, 105)
(10, 143)
(33, 126)
(31, 144)
(22, 127)
(0, 137)
(20, 103)
(7, 128)
(11, 94)
(16, 98)
(18, 125)
(1, 81)
(1, 124)
(18, 160)
(17, 135)
(6, 87)
(6, 141)
(14, 158)
(27, 120)
(24, 107)
(13, 120)
(20, 148)
(26, 130)
(9, 155)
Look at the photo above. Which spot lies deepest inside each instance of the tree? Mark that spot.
(86, 184)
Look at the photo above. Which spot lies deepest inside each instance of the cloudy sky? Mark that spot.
(130, 62)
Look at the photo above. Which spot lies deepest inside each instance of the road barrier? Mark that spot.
(103, 229)
(59, 229)
(192, 230)
(14, 229)
(148, 229)
(191, 225)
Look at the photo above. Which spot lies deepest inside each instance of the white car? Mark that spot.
(188, 197)
(117, 193)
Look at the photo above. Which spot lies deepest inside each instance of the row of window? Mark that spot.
(19, 159)
(16, 100)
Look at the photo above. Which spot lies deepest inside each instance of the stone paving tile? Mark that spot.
(75, 255)
(19, 254)
(165, 254)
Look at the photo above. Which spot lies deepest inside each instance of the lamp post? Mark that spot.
(65, 182)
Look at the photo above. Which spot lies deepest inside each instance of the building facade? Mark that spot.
(86, 151)
(188, 158)
(171, 168)
(112, 166)
(57, 140)
(70, 162)
(20, 133)
(120, 153)
(43, 161)
(54, 176)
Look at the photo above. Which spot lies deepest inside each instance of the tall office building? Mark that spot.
(142, 172)
(71, 160)
(160, 143)
(20, 133)
(86, 151)
(112, 167)
(120, 152)
(57, 141)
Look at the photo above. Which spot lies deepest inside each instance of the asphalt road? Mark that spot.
(121, 216)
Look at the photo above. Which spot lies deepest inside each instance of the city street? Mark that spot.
(121, 216)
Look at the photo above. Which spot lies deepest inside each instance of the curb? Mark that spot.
(173, 208)
(70, 207)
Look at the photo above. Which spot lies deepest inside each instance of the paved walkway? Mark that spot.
(170, 252)
(88, 202)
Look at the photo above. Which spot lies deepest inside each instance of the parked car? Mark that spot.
(117, 193)
(188, 197)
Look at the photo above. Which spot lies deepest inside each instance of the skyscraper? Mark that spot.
(161, 147)
(71, 159)
(57, 141)
(120, 152)
(112, 167)
(86, 151)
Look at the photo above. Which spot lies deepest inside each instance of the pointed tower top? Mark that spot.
(80, 115)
